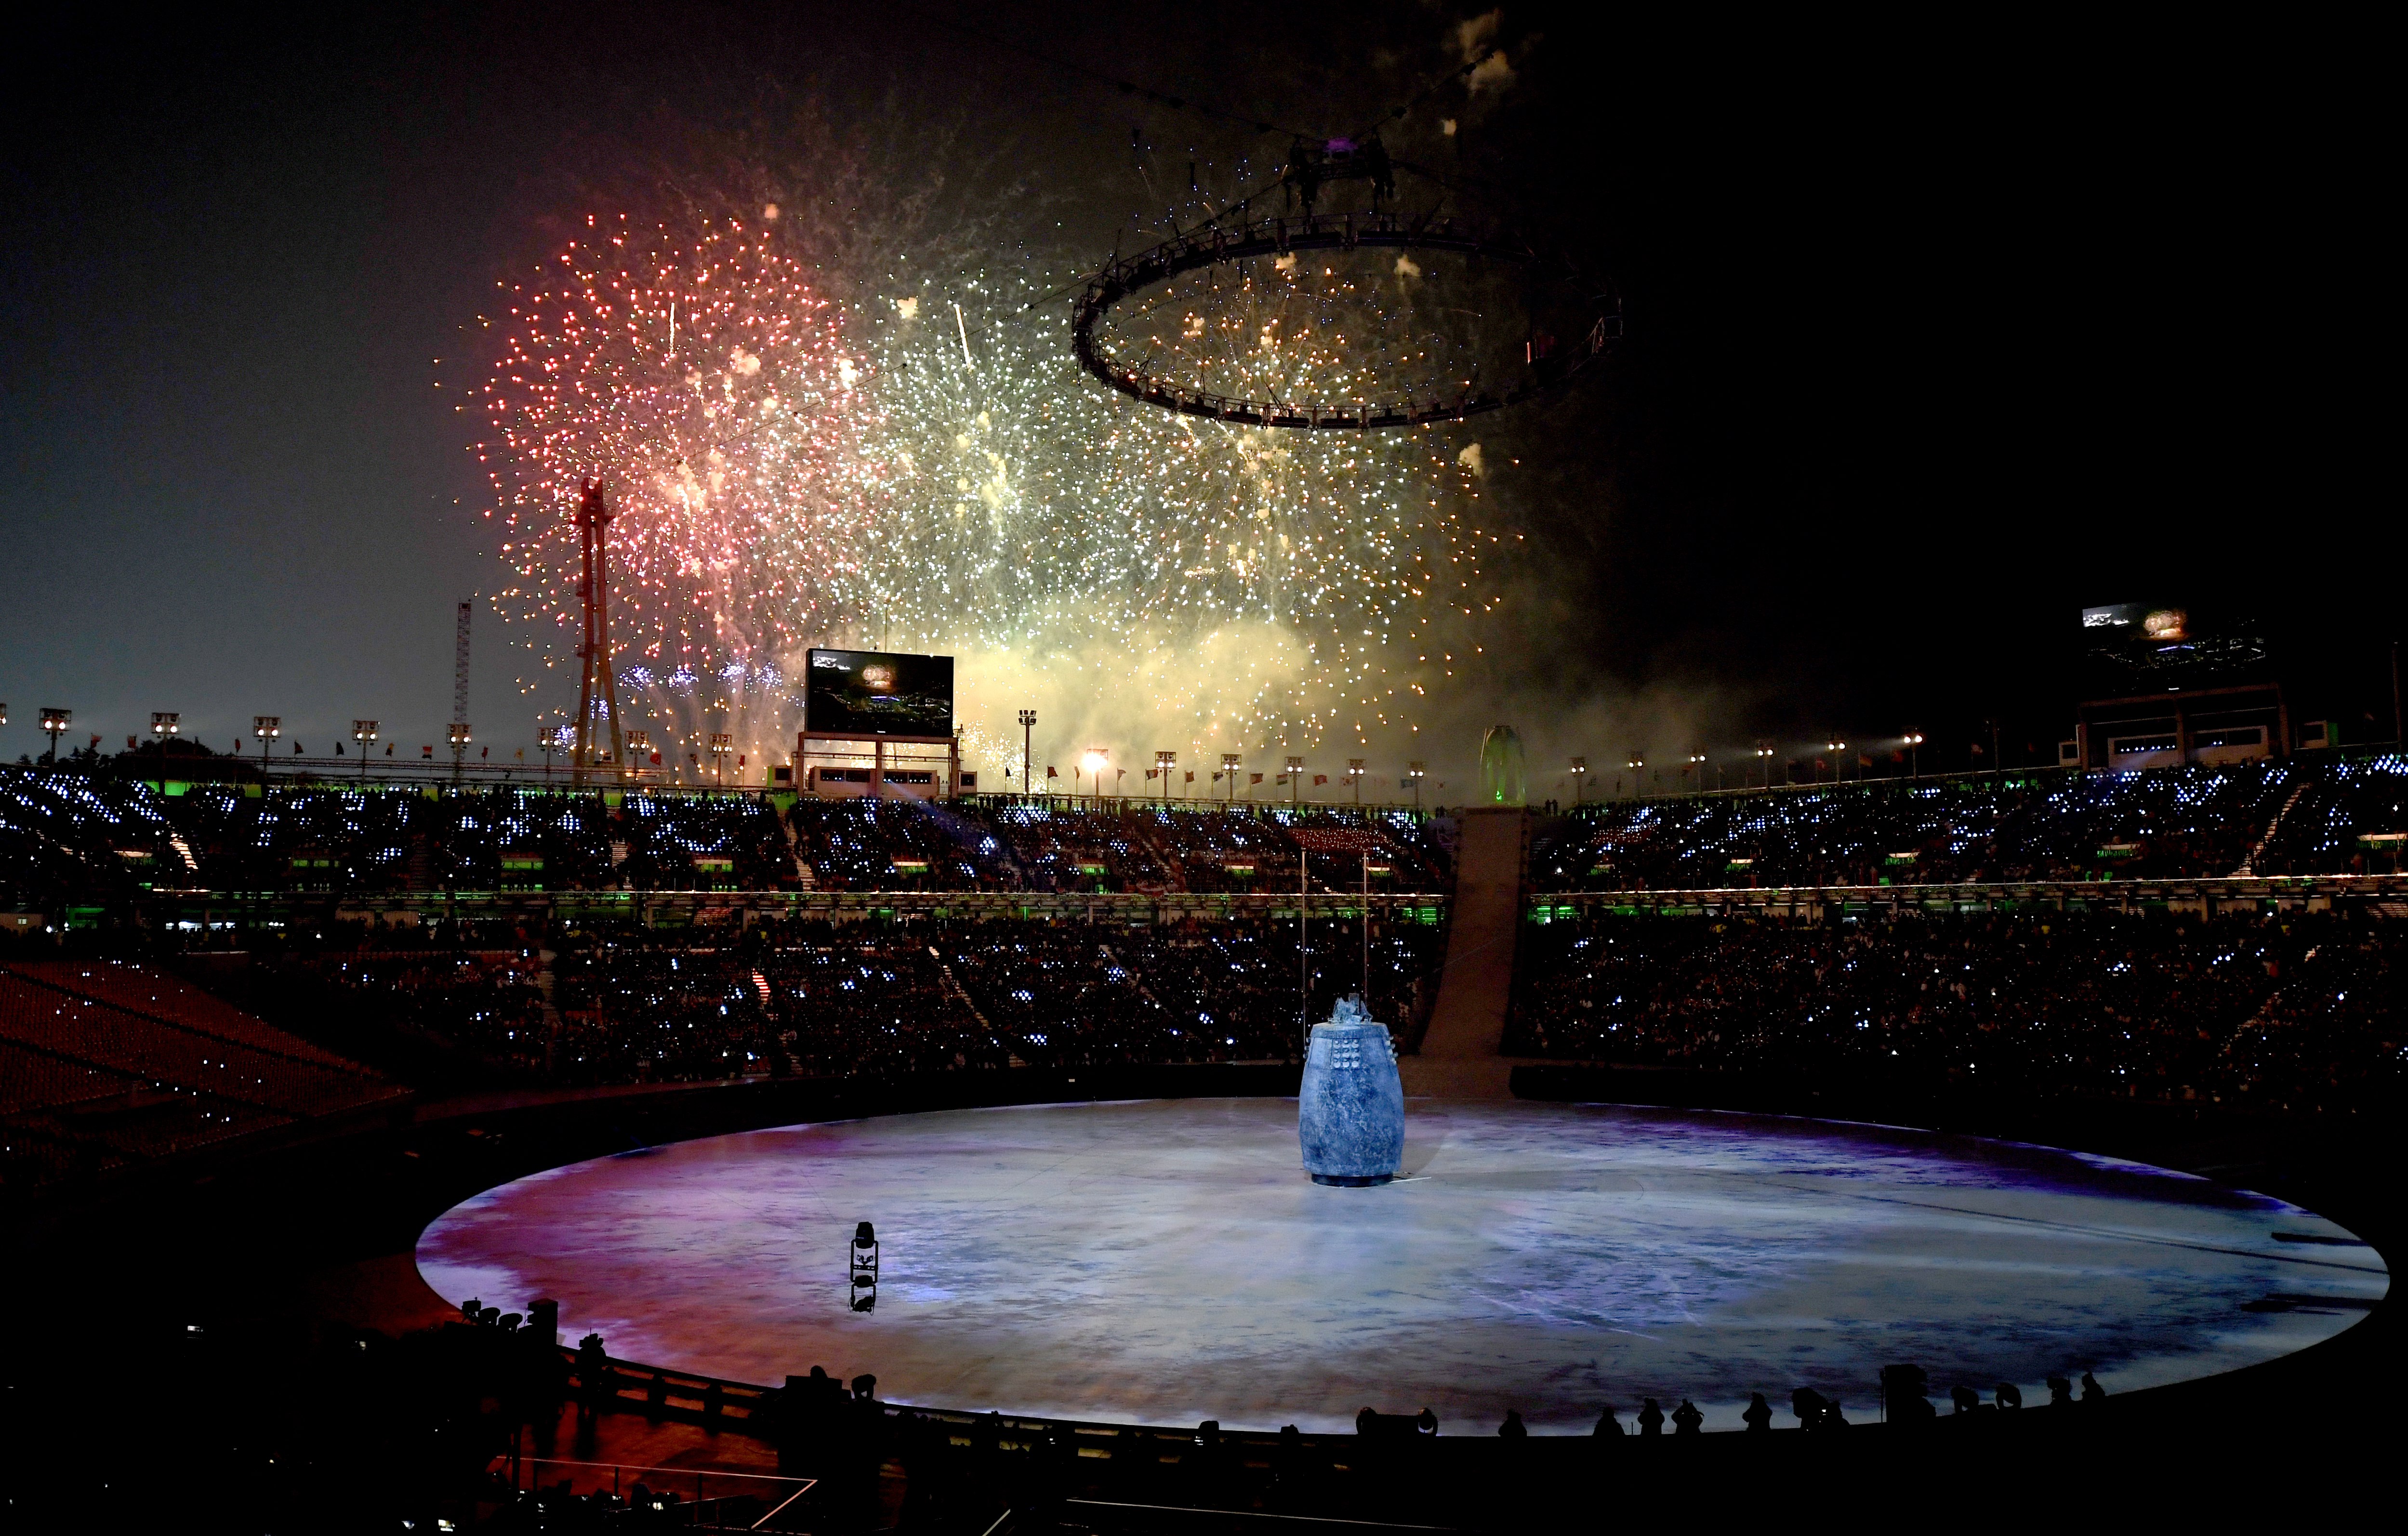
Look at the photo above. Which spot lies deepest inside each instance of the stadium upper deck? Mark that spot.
(80, 840)
(2289, 817)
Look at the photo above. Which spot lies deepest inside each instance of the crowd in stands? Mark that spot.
(812, 997)
(2295, 1010)
(83, 838)
(820, 1000)
(90, 839)
(1062, 845)
(2324, 817)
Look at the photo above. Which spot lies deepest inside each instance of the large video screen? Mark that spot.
(2134, 646)
(879, 693)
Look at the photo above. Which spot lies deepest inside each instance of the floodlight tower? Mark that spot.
(1028, 723)
(460, 733)
(56, 721)
(165, 724)
(1416, 773)
(1163, 763)
(1580, 781)
(365, 733)
(599, 685)
(1295, 780)
(1230, 763)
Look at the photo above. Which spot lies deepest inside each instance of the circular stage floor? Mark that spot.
(1166, 1262)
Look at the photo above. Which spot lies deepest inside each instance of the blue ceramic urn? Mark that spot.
(1351, 1109)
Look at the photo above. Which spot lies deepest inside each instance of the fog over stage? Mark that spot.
(1166, 1261)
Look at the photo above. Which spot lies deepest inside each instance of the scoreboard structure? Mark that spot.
(877, 725)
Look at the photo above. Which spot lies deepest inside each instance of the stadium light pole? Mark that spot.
(365, 733)
(720, 748)
(1637, 785)
(1096, 760)
(1580, 781)
(1028, 723)
(1838, 747)
(1414, 771)
(460, 738)
(1295, 778)
(1914, 755)
(56, 721)
(1230, 762)
(164, 724)
(1697, 761)
(268, 727)
(1764, 756)
(1163, 763)
(1367, 926)
(1303, 950)
(1354, 771)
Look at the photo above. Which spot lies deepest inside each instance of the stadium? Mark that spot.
(1288, 896)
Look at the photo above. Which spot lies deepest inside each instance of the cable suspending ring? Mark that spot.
(1278, 235)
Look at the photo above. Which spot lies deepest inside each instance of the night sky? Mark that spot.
(1935, 336)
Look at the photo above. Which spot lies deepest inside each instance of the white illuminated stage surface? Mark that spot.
(1166, 1262)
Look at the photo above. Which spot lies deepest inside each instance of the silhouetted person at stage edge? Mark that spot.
(857, 1448)
(1300, 1474)
(1814, 1411)
(1608, 1427)
(1758, 1417)
(1686, 1419)
(1512, 1429)
(2060, 1392)
(1204, 1465)
(1904, 1402)
(923, 1449)
(2091, 1390)
(807, 1420)
(1651, 1418)
(594, 1377)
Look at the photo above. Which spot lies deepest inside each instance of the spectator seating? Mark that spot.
(2304, 1009)
(2156, 822)
(2347, 819)
(823, 999)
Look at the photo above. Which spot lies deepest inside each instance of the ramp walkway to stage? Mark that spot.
(1460, 1057)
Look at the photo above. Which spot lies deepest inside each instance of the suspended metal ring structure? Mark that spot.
(1545, 367)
